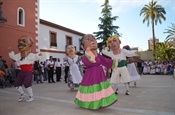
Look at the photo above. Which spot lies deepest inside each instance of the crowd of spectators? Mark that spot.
(159, 67)
(146, 67)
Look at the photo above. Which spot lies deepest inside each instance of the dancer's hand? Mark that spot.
(103, 46)
(65, 58)
(137, 53)
(40, 54)
(10, 49)
(87, 49)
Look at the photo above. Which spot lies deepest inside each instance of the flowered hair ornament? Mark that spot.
(112, 38)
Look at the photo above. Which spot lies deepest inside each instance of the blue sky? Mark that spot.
(83, 16)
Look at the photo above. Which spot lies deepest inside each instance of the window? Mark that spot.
(81, 49)
(53, 40)
(68, 40)
(21, 16)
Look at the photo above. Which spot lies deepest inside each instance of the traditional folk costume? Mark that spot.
(75, 76)
(121, 74)
(130, 62)
(146, 68)
(26, 60)
(25, 75)
(95, 91)
(133, 72)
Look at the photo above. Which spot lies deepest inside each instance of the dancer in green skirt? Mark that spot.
(95, 91)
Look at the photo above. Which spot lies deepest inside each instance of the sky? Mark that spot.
(83, 16)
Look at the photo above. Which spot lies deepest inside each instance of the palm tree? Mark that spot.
(170, 32)
(165, 51)
(154, 13)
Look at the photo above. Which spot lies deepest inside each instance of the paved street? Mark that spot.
(154, 95)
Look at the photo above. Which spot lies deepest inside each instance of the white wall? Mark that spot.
(44, 41)
(46, 55)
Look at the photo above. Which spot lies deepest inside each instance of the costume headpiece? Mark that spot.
(29, 38)
(127, 47)
(112, 38)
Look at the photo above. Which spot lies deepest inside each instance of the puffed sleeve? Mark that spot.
(34, 57)
(109, 63)
(14, 56)
(106, 52)
(129, 53)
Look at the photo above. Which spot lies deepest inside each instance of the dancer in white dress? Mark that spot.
(73, 60)
(132, 68)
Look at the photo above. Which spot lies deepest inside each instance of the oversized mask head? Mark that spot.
(89, 41)
(113, 42)
(25, 43)
(70, 50)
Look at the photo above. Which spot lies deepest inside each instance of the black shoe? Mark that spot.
(127, 92)
(116, 91)
(135, 84)
(128, 83)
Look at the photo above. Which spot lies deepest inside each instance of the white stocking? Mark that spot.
(114, 86)
(29, 89)
(20, 90)
(126, 86)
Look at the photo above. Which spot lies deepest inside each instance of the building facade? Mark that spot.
(22, 20)
(53, 39)
(150, 43)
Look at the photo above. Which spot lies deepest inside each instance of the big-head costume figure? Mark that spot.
(120, 75)
(95, 91)
(130, 61)
(73, 60)
(26, 59)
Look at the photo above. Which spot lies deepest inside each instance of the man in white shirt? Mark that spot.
(50, 69)
(58, 66)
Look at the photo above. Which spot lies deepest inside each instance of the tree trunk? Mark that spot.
(154, 39)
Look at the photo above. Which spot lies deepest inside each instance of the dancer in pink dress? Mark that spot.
(95, 91)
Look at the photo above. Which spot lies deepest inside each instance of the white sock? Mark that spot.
(29, 89)
(126, 86)
(114, 86)
(20, 90)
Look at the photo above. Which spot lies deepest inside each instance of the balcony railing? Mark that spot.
(53, 44)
